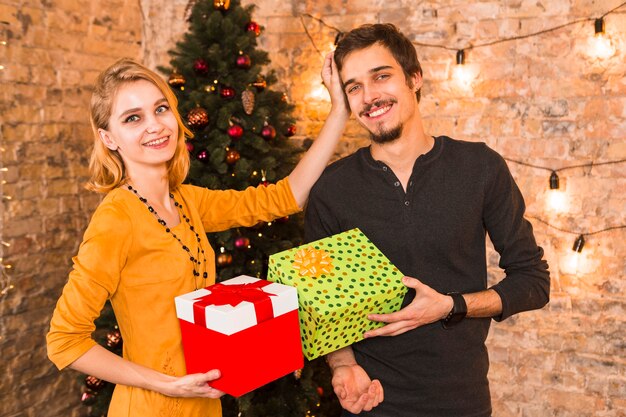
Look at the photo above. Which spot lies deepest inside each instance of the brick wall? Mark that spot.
(543, 100)
(54, 52)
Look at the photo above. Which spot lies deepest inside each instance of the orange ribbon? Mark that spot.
(312, 262)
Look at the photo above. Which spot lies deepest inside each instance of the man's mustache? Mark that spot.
(377, 103)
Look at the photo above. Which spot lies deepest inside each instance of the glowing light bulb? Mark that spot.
(319, 93)
(600, 46)
(557, 201)
(572, 263)
(575, 260)
(463, 74)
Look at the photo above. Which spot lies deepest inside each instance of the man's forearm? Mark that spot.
(483, 304)
(341, 357)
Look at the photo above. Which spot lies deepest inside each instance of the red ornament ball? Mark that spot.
(94, 384)
(268, 132)
(224, 259)
(189, 146)
(197, 118)
(243, 62)
(291, 130)
(201, 67)
(232, 156)
(320, 391)
(254, 27)
(235, 132)
(114, 339)
(242, 243)
(203, 156)
(227, 92)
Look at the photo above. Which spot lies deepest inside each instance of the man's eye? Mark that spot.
(382, 77)
(352, 89)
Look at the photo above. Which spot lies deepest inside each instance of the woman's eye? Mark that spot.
(131, 118)
(163, 108)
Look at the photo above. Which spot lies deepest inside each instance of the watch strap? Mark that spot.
(458, 312)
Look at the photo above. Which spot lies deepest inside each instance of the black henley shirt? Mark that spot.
(435, 231)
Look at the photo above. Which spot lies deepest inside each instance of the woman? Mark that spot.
(146, 242)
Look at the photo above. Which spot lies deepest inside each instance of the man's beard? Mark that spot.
(386, 135)
(383, 135)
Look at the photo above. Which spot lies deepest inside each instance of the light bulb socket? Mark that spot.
(598, 25)
(579, 244)
(460, 57)
(554, 181)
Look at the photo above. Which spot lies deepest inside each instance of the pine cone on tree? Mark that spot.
(247, 99)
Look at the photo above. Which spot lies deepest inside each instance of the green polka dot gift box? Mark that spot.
(340, 280)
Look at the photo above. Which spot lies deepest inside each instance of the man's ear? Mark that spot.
(106, 139)
(417, 81)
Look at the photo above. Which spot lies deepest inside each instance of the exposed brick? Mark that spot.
(542, 100)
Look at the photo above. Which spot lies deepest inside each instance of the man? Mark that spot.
(427, 203)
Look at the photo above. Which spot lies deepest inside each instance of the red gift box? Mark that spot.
(246, 327)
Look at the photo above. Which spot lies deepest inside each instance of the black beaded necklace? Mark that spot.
(195, 260)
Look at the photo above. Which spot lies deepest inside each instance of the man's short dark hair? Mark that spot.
(388, 36)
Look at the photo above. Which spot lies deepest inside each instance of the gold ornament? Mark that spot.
(260, 83)
(222, 5)
(247, 99)
(176, 80)
(232, 156)
(224, 259)
(198, 118)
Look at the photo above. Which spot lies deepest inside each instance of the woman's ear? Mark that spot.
(105, 137)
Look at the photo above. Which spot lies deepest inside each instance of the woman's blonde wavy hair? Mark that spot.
(106, 166)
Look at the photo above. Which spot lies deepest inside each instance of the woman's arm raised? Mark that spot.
(310, 167)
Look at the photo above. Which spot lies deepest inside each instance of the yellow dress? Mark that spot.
(127, 256)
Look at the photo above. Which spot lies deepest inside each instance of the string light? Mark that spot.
(460, 57)
(557, 199)
(600, 44)
(554, 181)
(5, 279)
(462, 73)
(319, 93)
(6, 284)
(579, 244)
(575, 260)
(3, 42)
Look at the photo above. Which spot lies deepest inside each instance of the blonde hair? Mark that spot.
(105, 165)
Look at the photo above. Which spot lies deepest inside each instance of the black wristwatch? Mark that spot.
(458, 312)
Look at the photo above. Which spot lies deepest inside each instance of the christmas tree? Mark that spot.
(96, 393)
(241, 138)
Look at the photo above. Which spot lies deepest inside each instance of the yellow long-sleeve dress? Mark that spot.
(128, 257)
